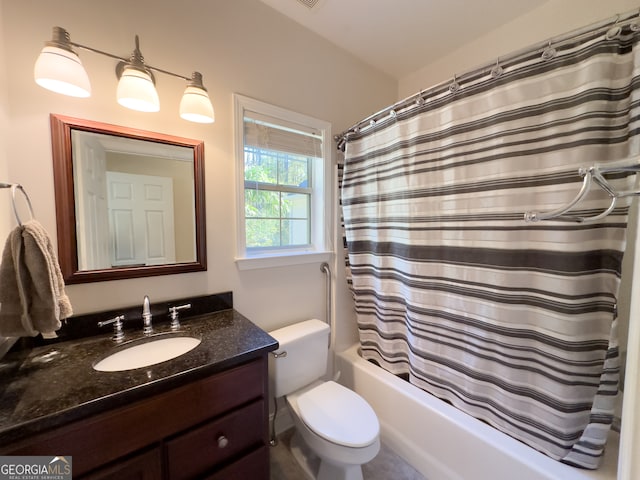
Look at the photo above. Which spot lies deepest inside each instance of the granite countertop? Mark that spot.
(52, 385)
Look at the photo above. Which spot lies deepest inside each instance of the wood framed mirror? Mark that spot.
(129, 203)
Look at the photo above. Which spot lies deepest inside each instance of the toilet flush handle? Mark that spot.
(279, 354)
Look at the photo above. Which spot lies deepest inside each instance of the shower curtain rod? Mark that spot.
(611, 27)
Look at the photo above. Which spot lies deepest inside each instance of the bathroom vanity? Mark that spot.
(203, 414)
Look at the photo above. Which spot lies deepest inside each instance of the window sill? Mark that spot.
(285, 260)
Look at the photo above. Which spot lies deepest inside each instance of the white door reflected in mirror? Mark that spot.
(140, 211)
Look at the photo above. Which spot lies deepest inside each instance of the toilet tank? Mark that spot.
(306, 346)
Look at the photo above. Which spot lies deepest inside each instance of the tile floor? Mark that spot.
(386, 466)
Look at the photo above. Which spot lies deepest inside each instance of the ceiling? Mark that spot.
(422, 30)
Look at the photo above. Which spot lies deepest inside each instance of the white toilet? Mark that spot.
(333, 424)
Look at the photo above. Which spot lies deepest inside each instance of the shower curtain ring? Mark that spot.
(614, 31)
(549, 52)
(497, 70)
(454, 86)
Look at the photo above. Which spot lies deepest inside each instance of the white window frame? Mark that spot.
(320, 249)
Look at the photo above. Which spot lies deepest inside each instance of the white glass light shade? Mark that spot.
(195, 106)
(61, 71)
(137, 91)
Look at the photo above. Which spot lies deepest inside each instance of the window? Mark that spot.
(283, 167)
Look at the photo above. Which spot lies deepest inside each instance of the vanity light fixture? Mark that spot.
(137, 85)
(59, 69)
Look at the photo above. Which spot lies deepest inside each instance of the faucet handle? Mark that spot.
(118, 333)
(147, 328)
(145, 306)
(173, 314)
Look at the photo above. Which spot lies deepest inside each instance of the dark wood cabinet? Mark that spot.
(216, 427)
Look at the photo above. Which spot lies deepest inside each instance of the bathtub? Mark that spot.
(444, 443)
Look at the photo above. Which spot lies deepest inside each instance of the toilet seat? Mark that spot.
(339, 415)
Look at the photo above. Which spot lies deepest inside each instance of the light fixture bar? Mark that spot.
(59, 69)
(124, 59)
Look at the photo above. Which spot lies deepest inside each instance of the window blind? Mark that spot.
(261, 131)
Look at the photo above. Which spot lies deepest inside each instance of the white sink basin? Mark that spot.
(151, 352)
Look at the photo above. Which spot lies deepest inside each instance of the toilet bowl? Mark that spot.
(339, 426)
(336, 429)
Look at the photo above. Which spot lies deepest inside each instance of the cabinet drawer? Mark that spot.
(254, 466)
(195, 452)
(142, 466)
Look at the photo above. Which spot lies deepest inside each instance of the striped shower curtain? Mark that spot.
(511, 322)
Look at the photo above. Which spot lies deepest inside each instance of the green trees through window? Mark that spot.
(277, 198)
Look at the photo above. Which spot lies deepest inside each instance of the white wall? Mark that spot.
(239, 46)
(6, 215)
(5, 195)
(553, 18)
(629, 465)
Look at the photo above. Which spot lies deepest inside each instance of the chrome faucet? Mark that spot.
(146, 316)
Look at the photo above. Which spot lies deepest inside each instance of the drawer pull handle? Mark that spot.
(222, 441)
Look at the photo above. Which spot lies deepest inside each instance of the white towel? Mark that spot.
(32, 296)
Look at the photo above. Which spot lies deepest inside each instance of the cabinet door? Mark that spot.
(143, 466)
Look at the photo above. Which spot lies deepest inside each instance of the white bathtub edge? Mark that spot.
(418, 459)
(486, 450)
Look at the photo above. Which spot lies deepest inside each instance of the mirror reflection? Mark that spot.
(129, 203)
(134, 201)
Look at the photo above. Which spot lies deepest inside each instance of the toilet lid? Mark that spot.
(339, 415)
